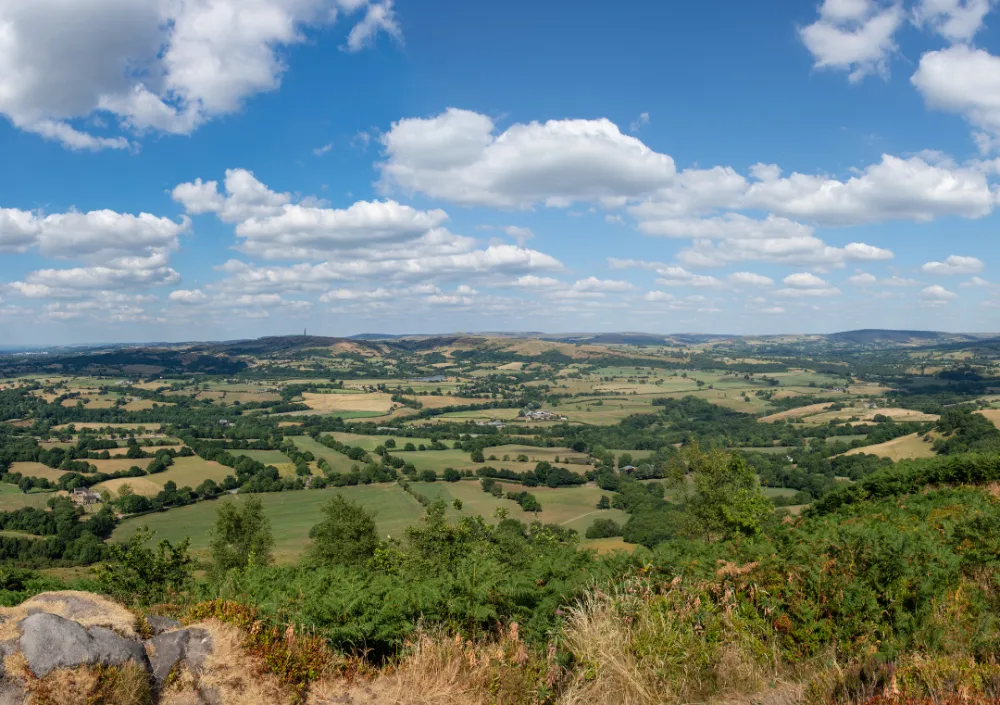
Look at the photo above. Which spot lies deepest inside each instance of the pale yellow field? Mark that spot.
(517, 366)
(348, 402)
(94, 402)
(116, 464)
(37, 470)
(869, 414)
(902, 448)
(143, 404)
(139, 485)
(993, 415)
(797, 413)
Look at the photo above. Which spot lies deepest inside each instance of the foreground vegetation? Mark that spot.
(810, 521)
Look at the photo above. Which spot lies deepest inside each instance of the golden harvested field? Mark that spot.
(91, 402)
(516, 366)
(116, 464)
(869, 414)
(139, 485)
(37, 470)
(143, 404)
(797, 413)
(348, 402)
(189, 472)
(902, 448)
(192, 471)
(993, 415)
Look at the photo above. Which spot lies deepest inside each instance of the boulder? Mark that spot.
(165, 651)
(114, 650)
(188, 646)
(12, 692)
(159, 625)
(199, 647)
(49, 642)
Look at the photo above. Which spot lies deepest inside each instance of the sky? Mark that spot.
(179, 170)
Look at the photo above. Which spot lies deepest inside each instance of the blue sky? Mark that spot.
(216, 169)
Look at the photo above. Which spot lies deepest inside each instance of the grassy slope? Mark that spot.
(292, 514)
(573, 507)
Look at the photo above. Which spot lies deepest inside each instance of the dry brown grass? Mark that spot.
(797, 413)
(88, 609)
(348, 402)
(139, 485)
(993, 415)
(232, 673)
(128, 684)
(443, 671)
(902, 448)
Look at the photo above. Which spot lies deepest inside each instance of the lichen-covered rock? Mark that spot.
(84, 608)
(159, 624)
(49, 641)
(189, 647)
(12, 692)
(113, 650)
(199, 647)
(165, 651)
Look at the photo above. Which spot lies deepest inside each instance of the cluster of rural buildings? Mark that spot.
(84, 496)
(541, 415)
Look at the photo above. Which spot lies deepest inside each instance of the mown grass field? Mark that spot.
(185, 472)
(268, 457)
(572, 507)
(12, 498)
(338, 461)
(292, 515)
(369, 443)
(37, 470)
(903, 448)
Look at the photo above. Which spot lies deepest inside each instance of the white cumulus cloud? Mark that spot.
(461, 157)
(854, 36)
(954, 265)
(164, 65)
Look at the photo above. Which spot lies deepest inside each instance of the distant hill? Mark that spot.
(876, 336)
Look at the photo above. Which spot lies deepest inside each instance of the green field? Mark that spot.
(268, 457)
(292, 515)
(572, 507)
(12, 498)
(338, 461)
(192, 471)
(779, 491)
(371, 442)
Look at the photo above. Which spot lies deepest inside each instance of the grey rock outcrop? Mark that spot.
(192, 646)
(159, 625)
(49, 642)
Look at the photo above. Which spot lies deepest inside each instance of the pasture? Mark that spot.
(902, 448)
(268, 457)
(12, 498)
(331, 403)
(572, 507)
(369, 443)
(292, 515)
(338, 461)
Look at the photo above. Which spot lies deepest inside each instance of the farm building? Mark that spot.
(83, 495)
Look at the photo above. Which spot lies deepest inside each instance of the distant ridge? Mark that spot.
(868, 336)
